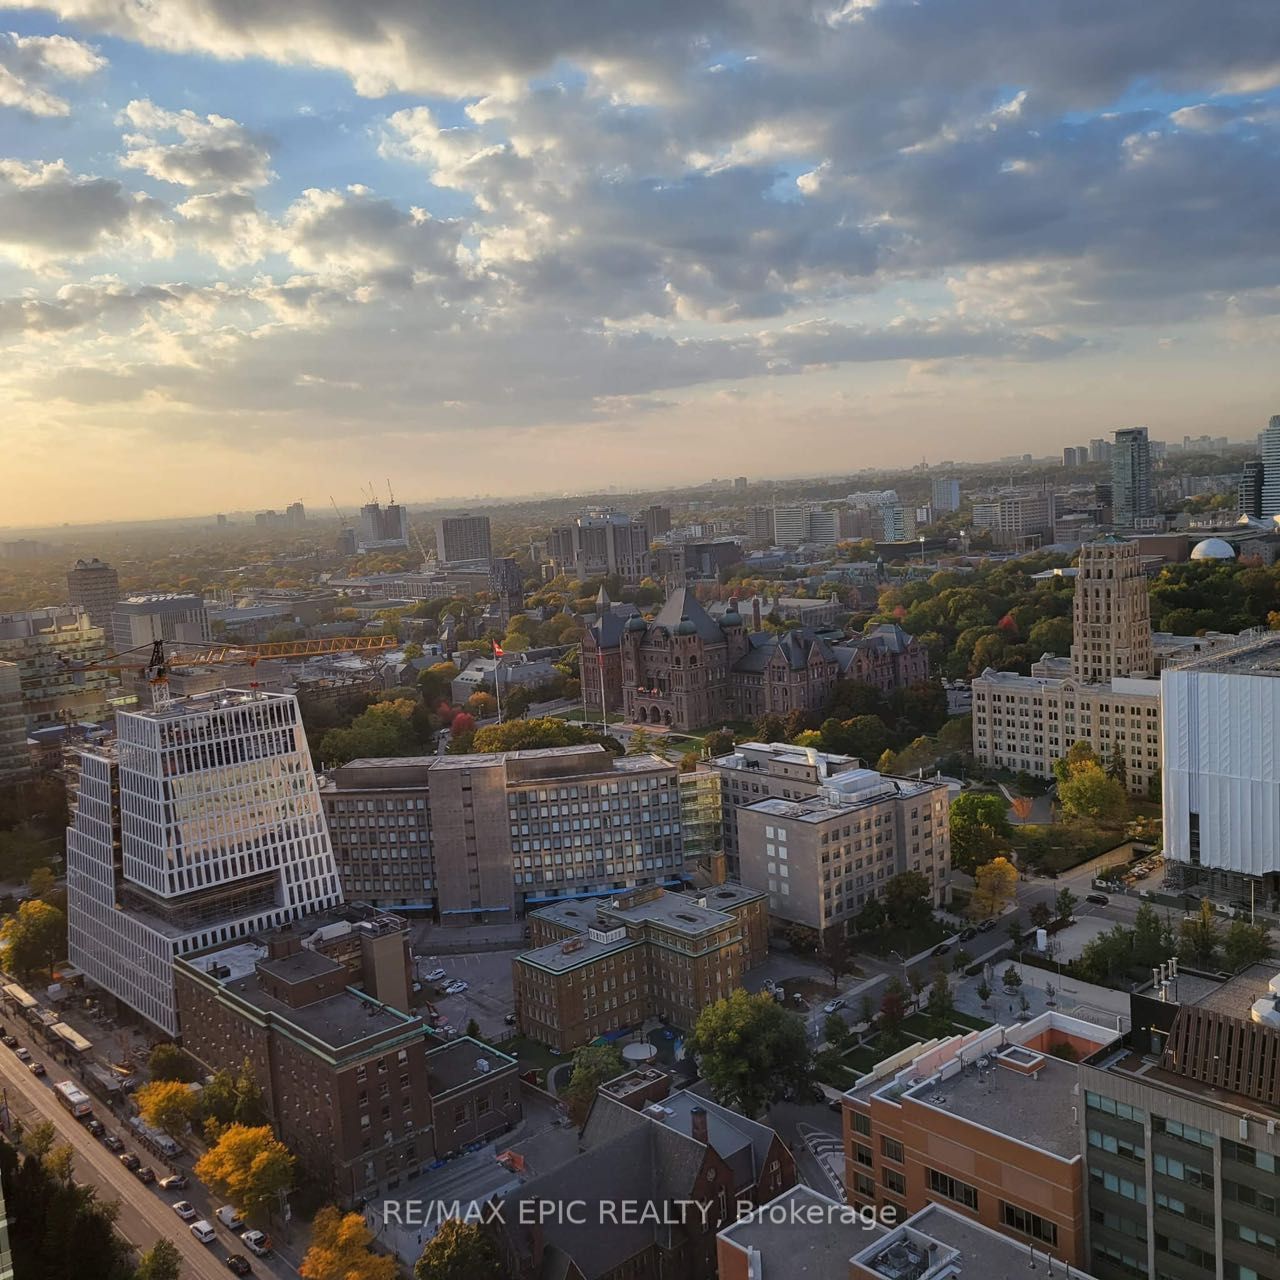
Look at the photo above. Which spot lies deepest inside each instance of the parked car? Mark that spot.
(1098, 899)
(185, 1210)
(174, 1182)
(146, 1175)
(968, 933)
(457, 987)
(203, 1231)
(23, 1054)
(112, 1143)
(510, 1019)
(238, 1264)
(833, 1006)
(36, 1068)
(96, 1128)
(230, 1218)
(987, 925)
(130, 1161)
(941, 949)
(257, 1242)
(8, 1041)
(437, 975)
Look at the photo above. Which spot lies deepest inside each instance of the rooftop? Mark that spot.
(835, 801)
(459, 1062)
(1255, 653)
(213, 700)
(572, 952)
(1236, 995)
(671, 911)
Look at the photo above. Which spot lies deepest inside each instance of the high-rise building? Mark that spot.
(1017, 519)
(1271, 468)
(1111, 613)
(1073, 457)
(94, 586)
(463, 539)
(1251, 486)
(790, 525)
(739, 483)
(824, 527)
(760, 526)
(295, 515)
(946, 494)
(47, 645)
(656, 519)
(898, 522)
(141, 620)
(15, 760)
(383, 528)
(599, 544)
(1132, 497)
(201, 824)
(1099, 450)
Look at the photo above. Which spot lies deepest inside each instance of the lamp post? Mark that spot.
(922, 549)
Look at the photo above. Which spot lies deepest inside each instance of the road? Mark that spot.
(145, 1212)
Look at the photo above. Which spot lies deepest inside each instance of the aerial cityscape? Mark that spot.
(639, 642)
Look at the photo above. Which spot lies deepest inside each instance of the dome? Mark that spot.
(686, 628)
(636, 623)
(1213, 549)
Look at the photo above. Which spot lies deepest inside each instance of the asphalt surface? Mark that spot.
(146, 1212)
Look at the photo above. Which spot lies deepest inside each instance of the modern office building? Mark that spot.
(599, 544)
(1219, 715)
(1252, 483)
(200, 825)
(47, 646)
(897, 522)
(1017, 520)
(1132, 495)
(15, 759)
(1270, 448)
(946, 494)
(94, 587)
(642, 954)
(139, 620)
(484, 837)
(383, 528)
(790, 525)
(821, 858)
(463, 539)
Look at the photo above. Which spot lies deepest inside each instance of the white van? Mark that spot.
(230, 1218)
(203, 1231)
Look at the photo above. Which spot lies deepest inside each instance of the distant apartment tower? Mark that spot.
(141, 620)
(1074, 457)
(1017, 520)
(739, 483)
(295, 515)
(1132, 499)
(463, 539)
(94, 586)
(201, 824)
(1099, 450)
(898, 522)
(946, 494)
(47, 645)
(383, 528)
(1251, 487)
(15, 760)
(599, 544)
(657, 519)
(1271, 468)
(760, 526)
(790, 525)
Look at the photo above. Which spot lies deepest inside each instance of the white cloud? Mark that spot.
(210, 153)
(28, 63)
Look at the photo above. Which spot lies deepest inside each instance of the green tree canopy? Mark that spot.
(33, 938)
(460, 1251)
(593, 1064)
(523, 735)
(979, 829)
(1091, 796)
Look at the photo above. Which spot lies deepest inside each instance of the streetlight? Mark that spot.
(922, 549)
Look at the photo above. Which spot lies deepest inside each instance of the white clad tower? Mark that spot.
(200, 824)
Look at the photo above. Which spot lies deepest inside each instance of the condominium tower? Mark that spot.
(200, 825)
(1132, 499)
(94, 587)
(463, 539)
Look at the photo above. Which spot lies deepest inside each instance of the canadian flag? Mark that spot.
(497, 650)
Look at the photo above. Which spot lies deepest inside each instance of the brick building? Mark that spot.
(595, 968)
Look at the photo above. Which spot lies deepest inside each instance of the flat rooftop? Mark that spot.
(1037, 1112)
(671, 911)
(720, 897)
(1236, 995)
(556, 959)
(457, 1063)
(1256, 654)
(214, 700)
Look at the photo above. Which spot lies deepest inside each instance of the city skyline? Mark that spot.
(236, 249)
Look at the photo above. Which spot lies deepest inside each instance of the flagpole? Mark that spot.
(604, 706)
(498, 655)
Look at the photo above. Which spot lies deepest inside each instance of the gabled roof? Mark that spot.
(683, 605)
(796, 646)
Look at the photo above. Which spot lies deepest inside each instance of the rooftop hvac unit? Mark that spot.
(482, 1066)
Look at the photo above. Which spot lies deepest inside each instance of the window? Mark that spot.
(1028, 1224)
(863, 1155)
(1184, 1131)
(1116, 1146)
(891, 1150)
(894, 1181)
(862, 1123)
(1109, 1106)
(953, 1189)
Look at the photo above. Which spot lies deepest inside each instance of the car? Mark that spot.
(146, 1175)
(130, 1162)
(1098, 899)
(554, 1052)
(417, 988)
(238, 1264)
(230, 1218)
(437, 975)
(112, 1143)
(8, 1041)
(457, 987)
(185, 1210)
(36, 1068)
(941, 949)
(174, 1182)
(203, 1231)
(510, 1019)
(987, 925)
(257, 1242)
(968, 933)
(96, 1128)
(833, 1006)
(23, 1054)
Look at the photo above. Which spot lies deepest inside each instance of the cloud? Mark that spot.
(28, 63)
(210, 153)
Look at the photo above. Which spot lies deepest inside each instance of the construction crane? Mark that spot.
(342, 520)
(157, 665)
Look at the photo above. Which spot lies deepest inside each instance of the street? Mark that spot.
(145, 1212)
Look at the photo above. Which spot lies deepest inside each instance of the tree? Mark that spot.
(33, 938)
(523, 735)
(168, 1105)
(248, 1168)
(593, 1064)
(979, 827)
(836, 956)
(1246, 944)
(1079, 754)
(1089, 795)
(917, 984)
(60, 1162)
(42, 882)
(39, 1139)
(641, 743)
(1199, 936)
(908, 899)
(1011, 979)
(484, 705)
(835, 1031)
(751, 1050)
(161, 1262)
(436, 682)
(994, 886)
(984, 992)
(169, 1062)
(1064, 903)
(1040, 915)
(719, 743)
(941, 1005)
(473, 1029)
(893, 1012)
(340, 1250)
(1150, 945)
(460, 1251)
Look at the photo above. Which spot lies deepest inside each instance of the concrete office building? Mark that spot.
(15, 759)
(790, 525)
(463, 539)
(1219, 716)
(1018, 520)
(46, 645)
(760, 526)
(480, 837)
(946, 494)
(656, 519)
(642, 954)
(200, 825)
(94, 587)
(1132, 495)
(821, 858)
(141, 620)
(599, 544)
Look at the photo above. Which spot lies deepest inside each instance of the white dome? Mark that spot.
(1213, 549)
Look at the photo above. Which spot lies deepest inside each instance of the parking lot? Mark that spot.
(488, 998)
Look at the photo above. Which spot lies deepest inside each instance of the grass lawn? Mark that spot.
(906, 942)
(530, 1054)
(1062, 846)
(864, 1058)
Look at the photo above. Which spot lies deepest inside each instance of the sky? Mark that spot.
(258, 252)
